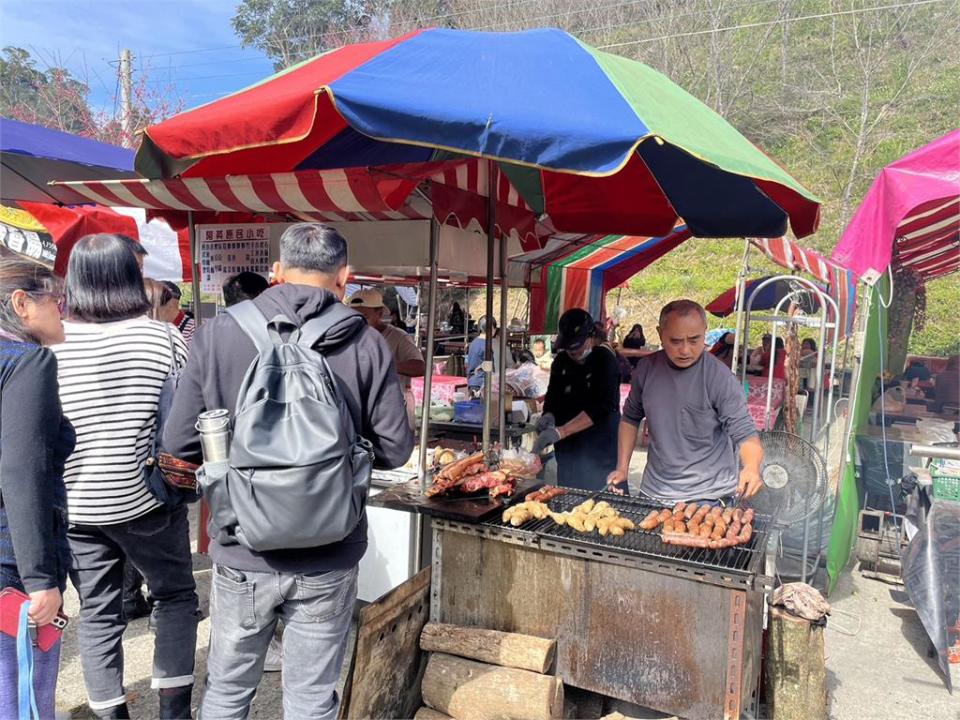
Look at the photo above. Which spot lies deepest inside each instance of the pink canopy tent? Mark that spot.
(910, 217)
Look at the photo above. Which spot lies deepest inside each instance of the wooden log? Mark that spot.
(426, 713)
(470, 690)
(490, 646)
(796, 668)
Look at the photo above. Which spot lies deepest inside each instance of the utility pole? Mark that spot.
(126, 96)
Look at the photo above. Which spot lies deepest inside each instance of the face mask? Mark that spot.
(583, 357)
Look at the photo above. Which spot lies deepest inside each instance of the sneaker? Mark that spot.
(274, 660)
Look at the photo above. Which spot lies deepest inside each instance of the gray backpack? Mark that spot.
(298, 472)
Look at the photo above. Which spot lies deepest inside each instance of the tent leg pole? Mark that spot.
(738, 327)
(502, 370)
(488, 345)
(195, 269)
(416, 325)
(428, 375)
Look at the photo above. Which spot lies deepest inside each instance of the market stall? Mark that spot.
(386, 127)
(905, 231)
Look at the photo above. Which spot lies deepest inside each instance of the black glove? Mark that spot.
(547, 420)
(545, 439)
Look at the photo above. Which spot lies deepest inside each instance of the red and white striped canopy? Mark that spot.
(841, 283)
(457, 194)
(332, 195)
(928, 241)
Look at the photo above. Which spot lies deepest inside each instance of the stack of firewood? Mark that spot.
(475, 674)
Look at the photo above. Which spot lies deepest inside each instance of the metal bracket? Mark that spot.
(735, 641)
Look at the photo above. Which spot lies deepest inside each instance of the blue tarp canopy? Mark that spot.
(32, 156)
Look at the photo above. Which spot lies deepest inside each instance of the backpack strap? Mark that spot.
(253, 323)
(316, 327)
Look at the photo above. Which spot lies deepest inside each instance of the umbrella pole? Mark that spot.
(504, 297)
(195, 270)
(428, 375)
(488, 344)
(738, 331)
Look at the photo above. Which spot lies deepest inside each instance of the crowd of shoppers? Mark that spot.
(83, 368)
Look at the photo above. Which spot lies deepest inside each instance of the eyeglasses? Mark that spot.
(60, 299)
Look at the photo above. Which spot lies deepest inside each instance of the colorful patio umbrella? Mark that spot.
(32, 156)
(589, 141)
(910, 217)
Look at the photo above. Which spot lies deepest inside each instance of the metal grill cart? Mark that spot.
(671, 628)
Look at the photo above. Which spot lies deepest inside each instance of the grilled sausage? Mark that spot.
(720, 525)
(738, 515)
(727, 515)
(717, 533)
(746, 533)
(705, 530)
(650, 521)
(709, 521)
(702, 512)
(685, 540)
(747, 517)
(679, 508)
(665, 515)
(689, 510)
(717, 511)
(735, 527)
(729, 542)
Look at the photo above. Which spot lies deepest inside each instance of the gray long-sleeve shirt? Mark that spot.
(697, 418)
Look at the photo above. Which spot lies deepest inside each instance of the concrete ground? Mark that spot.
(882, 671)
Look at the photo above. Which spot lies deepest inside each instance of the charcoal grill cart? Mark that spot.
(672, 628)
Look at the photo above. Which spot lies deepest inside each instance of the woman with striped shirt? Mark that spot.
(112, 366)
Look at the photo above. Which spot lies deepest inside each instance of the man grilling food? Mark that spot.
(704, 445)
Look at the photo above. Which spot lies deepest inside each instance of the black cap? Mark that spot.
(575, 327)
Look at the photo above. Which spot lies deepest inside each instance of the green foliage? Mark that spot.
(941, 333)
(53, 97)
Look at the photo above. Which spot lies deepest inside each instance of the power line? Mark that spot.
(739, 6)
(819, 16)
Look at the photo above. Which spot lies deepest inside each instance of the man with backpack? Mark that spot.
(314, 401)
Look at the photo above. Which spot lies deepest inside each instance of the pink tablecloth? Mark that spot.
(757, 401)
(442, 389)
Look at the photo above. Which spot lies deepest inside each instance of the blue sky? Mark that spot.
(188, 45)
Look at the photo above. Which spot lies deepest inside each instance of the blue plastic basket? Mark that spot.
(468, 411)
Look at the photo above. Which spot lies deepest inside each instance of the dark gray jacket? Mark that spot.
(362, 363)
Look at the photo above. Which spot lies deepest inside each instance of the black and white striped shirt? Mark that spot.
(110, 379)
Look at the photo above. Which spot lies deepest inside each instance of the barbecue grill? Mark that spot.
(673, 628)
(738, 566)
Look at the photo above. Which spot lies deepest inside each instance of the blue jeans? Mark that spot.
(316, 609)
(45, 668)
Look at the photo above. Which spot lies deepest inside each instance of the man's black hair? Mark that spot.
(243, 286)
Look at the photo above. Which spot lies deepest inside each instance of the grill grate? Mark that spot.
(743, 559)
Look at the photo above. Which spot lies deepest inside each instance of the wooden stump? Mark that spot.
(796, 668)
(490, 646)
(470, 690)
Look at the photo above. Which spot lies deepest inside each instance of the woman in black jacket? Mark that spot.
(35, 440)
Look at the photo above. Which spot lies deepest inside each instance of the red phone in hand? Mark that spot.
(47, 635)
